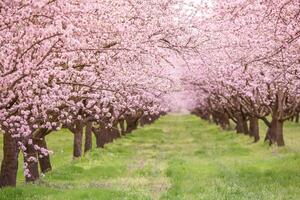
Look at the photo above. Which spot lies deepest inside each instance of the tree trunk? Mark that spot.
(239, 124)
(77, 145)
(254, 128)
(31, 160)
(244, 123)
(245, 127)
(44, 160)
(115, 131)
(99, 141)
(279, 134)
(88, 137)
(275, 133)
(224, 122)
(101, 137)
(109, 135)
(130, 126)
(9, 166)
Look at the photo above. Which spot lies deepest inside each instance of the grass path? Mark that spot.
(179, 158)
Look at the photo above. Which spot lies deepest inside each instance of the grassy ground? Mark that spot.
(179, 157)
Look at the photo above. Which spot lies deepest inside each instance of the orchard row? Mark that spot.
(251, 68)
(88, 64)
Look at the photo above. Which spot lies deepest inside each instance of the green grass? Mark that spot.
(179, 158)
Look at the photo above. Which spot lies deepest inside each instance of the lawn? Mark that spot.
(180, 157)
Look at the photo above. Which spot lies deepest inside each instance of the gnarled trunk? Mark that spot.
(275, 133)
(9, 166)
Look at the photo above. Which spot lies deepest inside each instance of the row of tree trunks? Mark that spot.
(243, 126)
(205, 115)
(249, 125)
(274, 133)
(32, 158)
(219, 118)
(79, 129)
(105, 135)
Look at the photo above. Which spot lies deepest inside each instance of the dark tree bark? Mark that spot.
(77, 145)
(224, 121)
(99, 143)
(115, 131)
(275, 133)
(245, 124)
(245, 127)
(9, 166)
(132, 124)
(102, 136)
(239, 124)
(44, 160)
(31, 159)
(279, 134)
(88, 137)
(254, 128)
